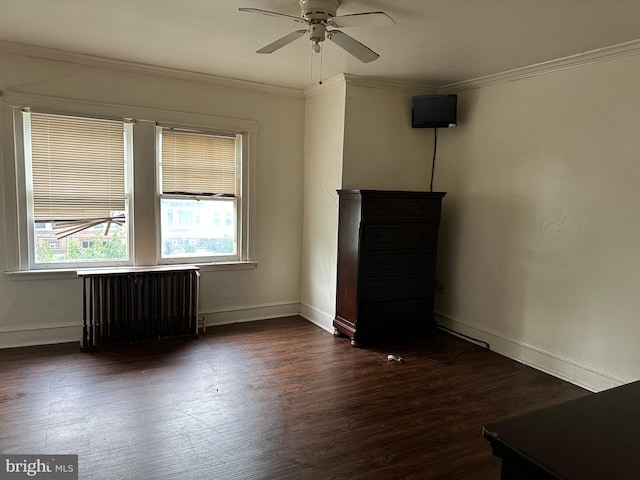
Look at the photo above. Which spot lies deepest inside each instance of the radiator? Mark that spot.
(139, 304)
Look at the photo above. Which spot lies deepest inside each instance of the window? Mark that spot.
(75, 170)
(199, 180)
(110, 185)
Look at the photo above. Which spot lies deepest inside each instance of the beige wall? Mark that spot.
(381, 149)
(30, 306)
(540, 239)
(324, 144)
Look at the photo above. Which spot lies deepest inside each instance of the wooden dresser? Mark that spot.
(387, 247)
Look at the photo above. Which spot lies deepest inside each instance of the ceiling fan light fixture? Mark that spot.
(316, 47)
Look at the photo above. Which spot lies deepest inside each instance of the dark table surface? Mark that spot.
(593, 437)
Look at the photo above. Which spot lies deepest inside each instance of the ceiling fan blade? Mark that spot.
(365, 19)
(351, 45)
(281, 42)
(273, 14)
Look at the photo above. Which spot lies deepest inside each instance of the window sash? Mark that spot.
(188, 219)
(196, 166)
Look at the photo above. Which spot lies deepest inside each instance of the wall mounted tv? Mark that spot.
(434, 111)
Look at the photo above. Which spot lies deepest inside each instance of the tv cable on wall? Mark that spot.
(433, 162)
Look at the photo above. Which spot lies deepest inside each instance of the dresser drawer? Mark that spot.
(382, 261)
(398, 235)
(401, 208)
(416, 313)
(396, 287)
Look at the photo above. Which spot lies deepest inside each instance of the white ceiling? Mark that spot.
(434, 42)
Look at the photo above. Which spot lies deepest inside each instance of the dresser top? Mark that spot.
(391, 193)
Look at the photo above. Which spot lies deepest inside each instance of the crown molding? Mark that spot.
(572, 61)
(325, 85)
(370, 82)
(543, 68)
(145, 69)
(373, 82)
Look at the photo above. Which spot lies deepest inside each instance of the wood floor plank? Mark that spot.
(276, 399)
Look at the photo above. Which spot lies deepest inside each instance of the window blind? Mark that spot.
(78, 170)
(198, 163)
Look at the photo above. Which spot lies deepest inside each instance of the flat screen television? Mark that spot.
(434, 111)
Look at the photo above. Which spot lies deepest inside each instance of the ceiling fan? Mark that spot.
(320, 14)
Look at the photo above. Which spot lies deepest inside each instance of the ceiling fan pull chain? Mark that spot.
(311, 65)
(321, 56)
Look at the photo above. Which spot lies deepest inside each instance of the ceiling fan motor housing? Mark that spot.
(319, 10)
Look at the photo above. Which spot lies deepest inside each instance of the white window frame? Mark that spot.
(240, 200)
(144, 211)
(28, 242)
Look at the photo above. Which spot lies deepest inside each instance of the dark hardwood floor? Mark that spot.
(276, 399)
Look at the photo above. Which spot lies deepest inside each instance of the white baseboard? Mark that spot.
(249, 313)
(318, 317)
(11, 337)
(572, 371)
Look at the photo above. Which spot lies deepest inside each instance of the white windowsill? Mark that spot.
(72, 273)
(224, 266)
